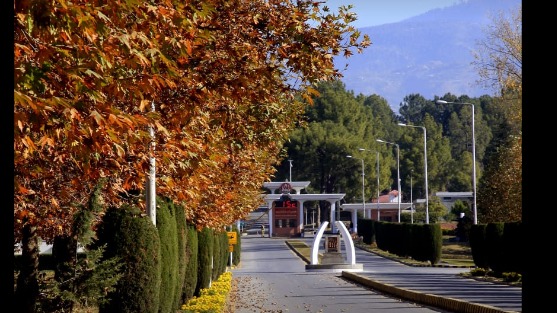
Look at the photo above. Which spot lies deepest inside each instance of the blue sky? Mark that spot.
(378, 12)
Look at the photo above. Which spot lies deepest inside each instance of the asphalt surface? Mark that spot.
(272, 278)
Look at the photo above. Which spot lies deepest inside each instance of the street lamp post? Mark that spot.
(473, 154)
(363, 185)
(290, 170)
(151, 193)
(378, 212)
(397, 171)
(411, 199)
(378, 193)
(425, 169)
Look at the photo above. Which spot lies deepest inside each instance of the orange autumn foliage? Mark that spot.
(224, 78)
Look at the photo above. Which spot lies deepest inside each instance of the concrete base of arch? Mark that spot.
(335, 267)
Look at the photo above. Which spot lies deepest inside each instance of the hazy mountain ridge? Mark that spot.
(429, 54)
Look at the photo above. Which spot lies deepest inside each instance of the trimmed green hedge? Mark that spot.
(204, 260)
(183, 257)
(498, 247)
(495, 251)
(224, 254)
(237, 253)
(478, 245)
(168, 236)
(433, 242)
(422, 242)
(192, 251)
(513, 246)
(217, 255)
(133, 238)
(366, 230)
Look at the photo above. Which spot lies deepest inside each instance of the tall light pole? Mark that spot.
(151, 193)
(473, 154)
(378, 192)
(411, 199)
(425, 170)
(378, 213)
(363, 185)
(397, 171)
(290, 170)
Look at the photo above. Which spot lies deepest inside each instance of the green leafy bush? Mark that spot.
(93, 278)
(479, 271)
(81, 279)
(512, 277)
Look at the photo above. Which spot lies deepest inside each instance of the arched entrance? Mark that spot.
(286, 210)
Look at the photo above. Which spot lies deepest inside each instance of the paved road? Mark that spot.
(440, 281)
(272, 278)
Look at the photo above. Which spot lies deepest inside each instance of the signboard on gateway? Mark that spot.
(285, 188)
(286, 208)
(286, 214)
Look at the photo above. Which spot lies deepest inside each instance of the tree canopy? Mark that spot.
(217, 80)
(339, 123)
(499, 63)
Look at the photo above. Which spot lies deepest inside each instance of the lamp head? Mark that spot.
(401, 124)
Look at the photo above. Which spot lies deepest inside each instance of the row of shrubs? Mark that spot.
(495, 246)
(139, 266)
(422, 242)
(498, 247)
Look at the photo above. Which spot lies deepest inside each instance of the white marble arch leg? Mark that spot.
(348, 243)
(316, 240)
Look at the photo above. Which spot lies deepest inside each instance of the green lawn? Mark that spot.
(453, 253)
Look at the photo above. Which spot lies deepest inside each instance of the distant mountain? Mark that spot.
(429, 54)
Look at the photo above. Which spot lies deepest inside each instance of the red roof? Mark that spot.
(386, 198)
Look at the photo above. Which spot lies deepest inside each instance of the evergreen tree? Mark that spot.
(337, 125)
(499, 64)
(500, 191)
(438, 156)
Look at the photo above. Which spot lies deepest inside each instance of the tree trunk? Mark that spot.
(27, 290)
